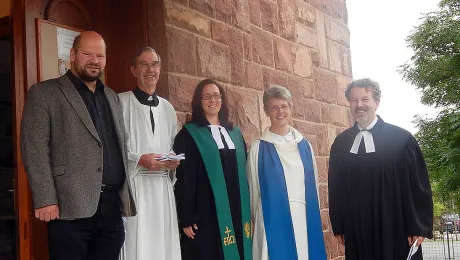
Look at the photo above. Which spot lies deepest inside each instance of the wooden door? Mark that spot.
(22, 193)
(123, 26)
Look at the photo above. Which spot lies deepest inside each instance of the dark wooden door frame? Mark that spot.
(23, 202)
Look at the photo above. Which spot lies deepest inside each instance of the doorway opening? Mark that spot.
(7, 209)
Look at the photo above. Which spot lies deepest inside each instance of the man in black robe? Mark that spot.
(380, 199)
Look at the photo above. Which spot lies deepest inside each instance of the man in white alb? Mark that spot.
(152, 125)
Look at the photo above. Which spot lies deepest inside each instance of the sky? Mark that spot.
(378, 47)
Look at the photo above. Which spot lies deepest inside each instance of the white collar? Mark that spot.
(368, 139)
(218, 138)
(282, 138)
(371, 125)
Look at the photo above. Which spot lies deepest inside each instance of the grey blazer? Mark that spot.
(62, 152)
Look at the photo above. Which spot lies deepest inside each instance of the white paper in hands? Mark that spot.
(164, 158)
(413, 249)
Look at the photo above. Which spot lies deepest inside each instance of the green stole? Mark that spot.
(212, 162)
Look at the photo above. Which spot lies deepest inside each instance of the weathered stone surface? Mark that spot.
(321, 36)
(181, 59)
(240, 15)
(237, 56)
(325, 113)
(326, 224)
(224, 11)
(323, 196)
(264, 119)
(181, 90)
(244, 112)
(339, 115)
(351, 120)
(314, 131)
(335, 8)
(308, 88)
(312, 110)
(340, 250)
(306, 36)
(331, 135)
(295, 87)
(262, 47)
(182, 118)
(325, 86)
(274, 77)
(341, 129)
(313, 141)
(254, 12)
(306, 14)
(302, 62)
(346, 62)
(335, 59)
(337, 31)
(247, 41)
(269, 16)
(339, 58)
(192, 21)
(284, 55)
(322, 166)
(235, 12)
(314, 58)
(182, 2)
(345, 13)
(286, 16)
(219, 32)
(214, 60)
(324, 6)
(204, 6)
(342, 83)
(339, 11)
(254, 76)
(304, 84)
(331, 245)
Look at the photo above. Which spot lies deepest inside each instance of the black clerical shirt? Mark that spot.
(148, 100)
(101, 115)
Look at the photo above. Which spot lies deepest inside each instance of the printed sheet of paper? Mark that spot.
(413, 249)
(65, 39)
(171, 157)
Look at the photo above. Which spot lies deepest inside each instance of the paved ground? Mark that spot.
(438, 250)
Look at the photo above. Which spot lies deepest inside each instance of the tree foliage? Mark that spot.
(435, 70)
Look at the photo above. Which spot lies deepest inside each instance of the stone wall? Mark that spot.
(248, 44)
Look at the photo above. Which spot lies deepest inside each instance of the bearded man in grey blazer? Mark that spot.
(73, 145)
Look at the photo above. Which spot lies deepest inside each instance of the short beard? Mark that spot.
(363, 121)
(85, 77)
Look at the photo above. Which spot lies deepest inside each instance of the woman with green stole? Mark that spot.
(282, 180)
(211, 190)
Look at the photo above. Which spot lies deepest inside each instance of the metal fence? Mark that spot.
(444, 246)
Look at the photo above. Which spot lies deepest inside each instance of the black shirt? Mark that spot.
(148, 100)
(101, 115)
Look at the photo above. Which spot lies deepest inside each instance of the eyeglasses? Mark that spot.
(215, 96)
(283, 108)
(147, 65)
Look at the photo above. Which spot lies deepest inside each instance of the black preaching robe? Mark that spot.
(377, 200)
(195, 200)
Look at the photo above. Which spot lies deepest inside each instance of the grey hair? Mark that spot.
(367, 84)
(142, 50)
(276, 91)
